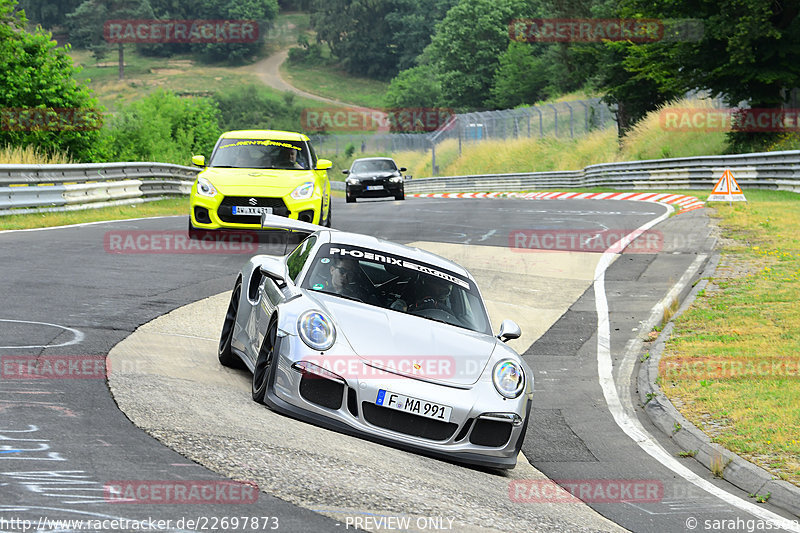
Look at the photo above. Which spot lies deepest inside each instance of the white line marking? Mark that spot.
(630, 424)
(77, 335)
(82, 224)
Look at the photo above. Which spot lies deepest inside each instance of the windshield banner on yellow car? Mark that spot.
(260, 142)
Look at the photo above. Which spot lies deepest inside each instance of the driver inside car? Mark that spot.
(348, 280)
(434, 293)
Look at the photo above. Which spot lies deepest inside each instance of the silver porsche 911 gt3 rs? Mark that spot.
(379, 340)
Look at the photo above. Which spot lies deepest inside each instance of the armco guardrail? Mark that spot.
(767, 170)
(36, 188)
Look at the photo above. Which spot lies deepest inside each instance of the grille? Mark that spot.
(416, 426)
(225, 212)
(490, 433)
(322, 391)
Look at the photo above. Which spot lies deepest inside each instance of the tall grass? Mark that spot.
(647, 140)
(30, 155)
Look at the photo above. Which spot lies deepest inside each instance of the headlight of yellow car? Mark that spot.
(204, 188)
(304, 191)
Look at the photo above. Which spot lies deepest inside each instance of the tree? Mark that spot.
(86, 24)
(48, 13)
(749, 51)
(521, 77)
(466, 48)
(377, 38)
(261, 11)
(358, 34)
(414, 87)
(41, 102)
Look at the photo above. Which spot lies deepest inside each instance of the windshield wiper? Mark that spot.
(341, 296)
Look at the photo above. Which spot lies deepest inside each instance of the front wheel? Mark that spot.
(266, 356)
(328, 219)
(400, 196)
(225, 354)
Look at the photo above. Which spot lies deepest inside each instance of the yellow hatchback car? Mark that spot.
(251, 172)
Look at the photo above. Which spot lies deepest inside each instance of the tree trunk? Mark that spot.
(121, 61)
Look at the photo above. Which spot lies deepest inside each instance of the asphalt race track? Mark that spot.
(65, 441)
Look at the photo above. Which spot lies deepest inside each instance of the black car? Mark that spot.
(374, 177)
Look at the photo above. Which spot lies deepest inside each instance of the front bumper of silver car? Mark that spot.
(483, 428)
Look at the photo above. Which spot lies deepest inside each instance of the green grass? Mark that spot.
(170, 206)
(332, 82)
(182, 74)
(167, 207)
(749, 316)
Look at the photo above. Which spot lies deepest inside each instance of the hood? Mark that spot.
(410, 345)
(378, 174)
(250, 182)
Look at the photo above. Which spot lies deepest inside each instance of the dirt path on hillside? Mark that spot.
(268, 71)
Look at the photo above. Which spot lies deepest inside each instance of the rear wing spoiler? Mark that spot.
(289, 224)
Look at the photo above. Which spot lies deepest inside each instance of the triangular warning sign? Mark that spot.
(726, 190)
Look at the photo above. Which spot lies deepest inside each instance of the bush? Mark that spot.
(37, 84)
(255, 107)
(163, 127)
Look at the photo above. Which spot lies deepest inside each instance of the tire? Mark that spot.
(350, 199)
(401, 196)
(264, 361)
(330, 212)
(224, 353)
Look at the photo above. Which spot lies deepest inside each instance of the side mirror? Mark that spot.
(402, 169)
(346, 171)
(199, 160)
(509, 330)
(324, 164)
(274, 269)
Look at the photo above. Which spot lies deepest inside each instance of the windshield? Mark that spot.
(397, 283)
(260, 153)
(377, 165)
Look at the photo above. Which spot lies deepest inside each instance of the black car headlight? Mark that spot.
(317, 330)
(508, 378)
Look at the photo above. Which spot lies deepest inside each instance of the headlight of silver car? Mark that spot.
(204, 188)
(508, 378)
(316, 330)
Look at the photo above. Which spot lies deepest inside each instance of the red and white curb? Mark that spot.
(686, 203)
